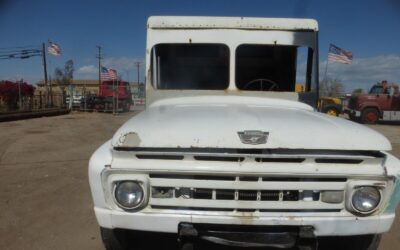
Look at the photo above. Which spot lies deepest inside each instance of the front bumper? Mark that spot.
(168, 223)
(352, 112)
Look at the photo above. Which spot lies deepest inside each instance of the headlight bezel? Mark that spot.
(110, 177)
(383, 185)
(117, 184)
(369, 212)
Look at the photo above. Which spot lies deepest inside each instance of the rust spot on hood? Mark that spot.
(130, 139)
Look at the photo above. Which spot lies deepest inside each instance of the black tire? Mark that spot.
(353, 118)
(114, 239)
(360, 242)
(331, 111)
(336, 108)
(125, 106)
(369, 116)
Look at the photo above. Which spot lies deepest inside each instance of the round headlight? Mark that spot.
(128, 194)
(366, 199)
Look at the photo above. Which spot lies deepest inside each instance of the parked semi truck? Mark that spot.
(228, 153)
(381, 103)
(112, 96)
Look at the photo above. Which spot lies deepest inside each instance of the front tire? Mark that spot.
(360, 242)
(114, 239)
(369, 116)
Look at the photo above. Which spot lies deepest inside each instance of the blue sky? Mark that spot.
(368, 28)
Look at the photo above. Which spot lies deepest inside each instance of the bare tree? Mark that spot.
(358, 91)
(331, 87)
(64, 77)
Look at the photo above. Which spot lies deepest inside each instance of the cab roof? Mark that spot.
(250, 23)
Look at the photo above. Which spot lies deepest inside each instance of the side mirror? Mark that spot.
(391, 92)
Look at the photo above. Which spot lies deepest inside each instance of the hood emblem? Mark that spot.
(253, 137)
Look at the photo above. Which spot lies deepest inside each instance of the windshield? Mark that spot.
(269, 67)
(191, 66)
(206, 67)
(376, 90)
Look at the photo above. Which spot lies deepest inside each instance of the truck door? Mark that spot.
(385, 99)
(395, 103)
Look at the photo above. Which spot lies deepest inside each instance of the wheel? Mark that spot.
(369, 116)
(354, 118)
(331, 111)
(126, 106)
(361, 242)
(114, 239)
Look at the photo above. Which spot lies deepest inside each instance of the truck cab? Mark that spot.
(229, 153)
(381, 103)
(114, 93)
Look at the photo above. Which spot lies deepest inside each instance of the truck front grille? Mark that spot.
(247, 180)
(242, 193)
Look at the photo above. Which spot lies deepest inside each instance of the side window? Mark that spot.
(301, 69)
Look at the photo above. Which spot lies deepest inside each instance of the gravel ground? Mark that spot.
(45, 198)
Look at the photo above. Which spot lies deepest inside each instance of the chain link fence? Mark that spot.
(35, 102)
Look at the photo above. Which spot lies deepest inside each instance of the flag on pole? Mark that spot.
(108, 74)
(337, 54)
(54, 49)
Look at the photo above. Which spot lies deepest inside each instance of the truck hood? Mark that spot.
(216, 121)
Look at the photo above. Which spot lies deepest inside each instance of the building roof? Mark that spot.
(74, 82)
(87, 83)
(251, 23)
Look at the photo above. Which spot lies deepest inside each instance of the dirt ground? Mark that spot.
(45, 200)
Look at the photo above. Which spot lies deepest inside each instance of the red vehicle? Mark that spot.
(381, 103)
(111, 94)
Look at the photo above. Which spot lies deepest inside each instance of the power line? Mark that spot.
(21, 47)
(22, 52)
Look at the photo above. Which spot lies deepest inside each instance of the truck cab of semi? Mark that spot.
(227, 151)
(113, 94)
(381, 103)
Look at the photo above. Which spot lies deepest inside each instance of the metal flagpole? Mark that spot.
(113, 97)
(45, 72)
(326, 68)
(325, 80)
(117, 94)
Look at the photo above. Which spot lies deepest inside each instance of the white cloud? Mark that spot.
(87, 72)
(122, 63)
(88, 69)
(364, 72)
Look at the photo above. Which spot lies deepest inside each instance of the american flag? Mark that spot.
(337, 54)
(54, 49)
(108, 74)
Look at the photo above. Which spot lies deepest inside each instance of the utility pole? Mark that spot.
(19, 94)
(138, 71)
(99, 57)
(45, 71)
